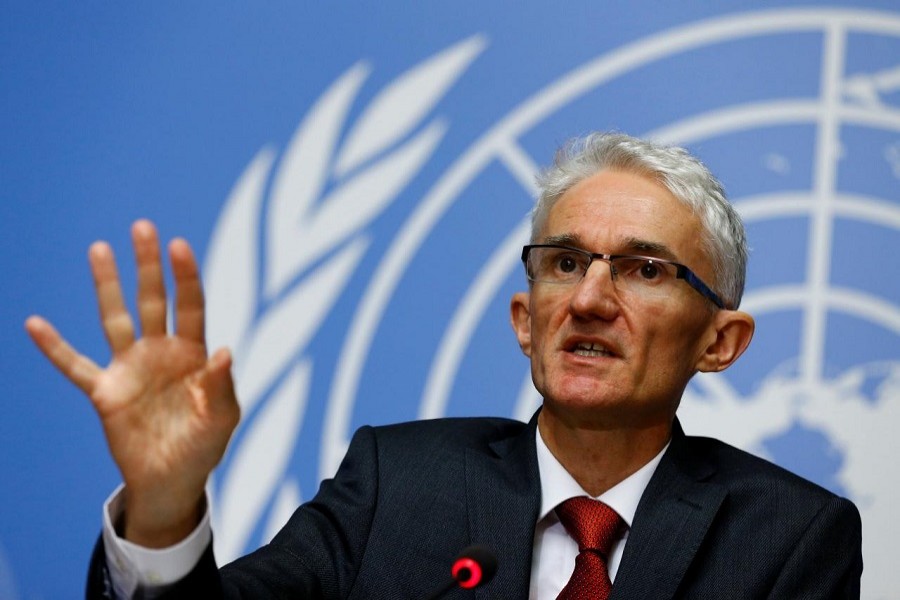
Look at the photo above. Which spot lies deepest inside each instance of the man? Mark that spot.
(635, 270)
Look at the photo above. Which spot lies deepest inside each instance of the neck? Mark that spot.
(598, 457)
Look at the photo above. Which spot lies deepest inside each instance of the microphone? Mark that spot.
(474, 566)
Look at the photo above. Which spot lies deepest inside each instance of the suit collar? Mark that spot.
(503, 494)
(672, 519)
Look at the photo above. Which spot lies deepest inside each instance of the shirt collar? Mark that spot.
(557, 485)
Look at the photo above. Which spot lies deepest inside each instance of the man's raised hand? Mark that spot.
(167, 409)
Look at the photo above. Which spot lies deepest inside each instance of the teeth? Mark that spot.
(593, 350)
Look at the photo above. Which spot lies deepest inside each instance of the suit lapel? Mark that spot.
(503, 496)
(672, 518)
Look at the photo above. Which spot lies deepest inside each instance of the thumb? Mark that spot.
(217, 383)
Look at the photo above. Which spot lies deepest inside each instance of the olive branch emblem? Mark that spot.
(274, 269)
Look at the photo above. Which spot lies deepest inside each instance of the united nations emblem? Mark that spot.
(347, 301)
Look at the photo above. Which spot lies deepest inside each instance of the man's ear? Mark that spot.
(733, 331)
(520, 317)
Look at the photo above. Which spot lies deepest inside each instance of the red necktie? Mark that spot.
(595, 527)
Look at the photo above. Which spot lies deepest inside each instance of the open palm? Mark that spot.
(167, 409)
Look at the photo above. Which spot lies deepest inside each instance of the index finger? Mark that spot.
(190, 317)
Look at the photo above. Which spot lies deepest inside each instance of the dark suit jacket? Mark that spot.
(714, 522)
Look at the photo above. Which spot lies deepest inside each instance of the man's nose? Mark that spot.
(595, 296)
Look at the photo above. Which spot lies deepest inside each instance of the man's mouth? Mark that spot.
(591, 349)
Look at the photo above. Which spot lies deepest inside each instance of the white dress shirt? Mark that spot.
(554, 554)
(553, 559)
(131, 565)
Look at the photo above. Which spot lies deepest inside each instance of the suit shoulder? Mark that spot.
(455, 431)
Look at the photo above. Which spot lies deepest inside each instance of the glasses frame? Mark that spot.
(681, 271)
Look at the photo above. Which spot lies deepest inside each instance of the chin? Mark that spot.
(604, 407)
(589, 399)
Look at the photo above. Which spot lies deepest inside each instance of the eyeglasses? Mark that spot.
(642, 276)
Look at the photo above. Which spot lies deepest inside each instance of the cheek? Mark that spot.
(670, 336)
(547, 315)
(674, 350)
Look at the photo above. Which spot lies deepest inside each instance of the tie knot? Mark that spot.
(591, 523)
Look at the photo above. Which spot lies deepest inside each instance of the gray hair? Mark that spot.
(725, 241)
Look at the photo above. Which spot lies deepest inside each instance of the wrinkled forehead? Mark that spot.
(624, 213)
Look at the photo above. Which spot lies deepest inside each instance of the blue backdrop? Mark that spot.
(356, 180)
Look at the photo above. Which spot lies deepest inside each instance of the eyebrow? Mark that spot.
(565, 239)
(630, 245)
(655, 249)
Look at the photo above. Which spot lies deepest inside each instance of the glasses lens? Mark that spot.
(557, 265)
(644, 276)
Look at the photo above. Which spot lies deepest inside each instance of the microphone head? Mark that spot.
(474, 566)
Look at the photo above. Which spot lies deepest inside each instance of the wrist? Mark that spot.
(157, 525)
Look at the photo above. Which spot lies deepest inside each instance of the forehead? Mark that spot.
(620, 212)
